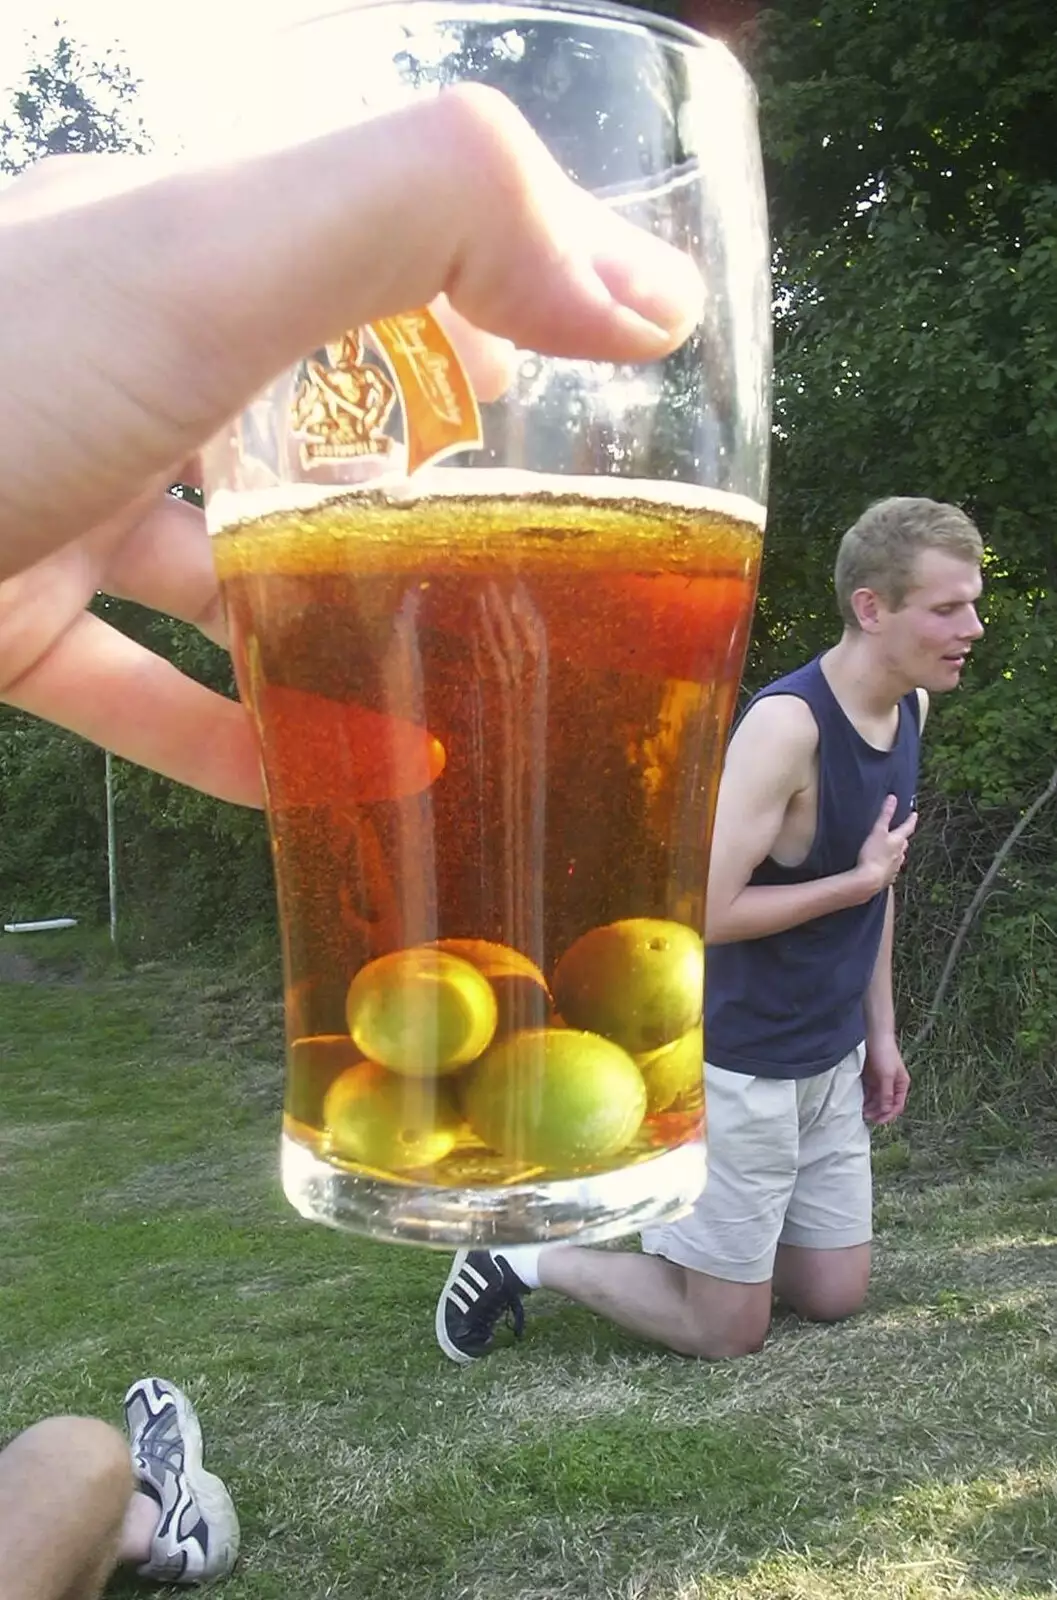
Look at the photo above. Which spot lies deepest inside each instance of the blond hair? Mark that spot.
(880, 550)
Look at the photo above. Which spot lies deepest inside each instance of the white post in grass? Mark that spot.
(111, 848)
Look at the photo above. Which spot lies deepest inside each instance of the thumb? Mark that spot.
(490, 362)
(553, 268)
(206, 281)
(887, 812)
(907, 827)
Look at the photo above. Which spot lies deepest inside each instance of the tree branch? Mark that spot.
(983, 889)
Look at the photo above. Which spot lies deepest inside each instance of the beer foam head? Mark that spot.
(227, 507)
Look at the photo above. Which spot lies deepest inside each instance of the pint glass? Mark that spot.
(491, 650)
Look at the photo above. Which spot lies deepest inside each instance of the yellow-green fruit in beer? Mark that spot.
(555, 1098)
(421, 1011)
(395, 1124)
(315, 1062)
(520, 989)
(639, 982)
(674, 1072)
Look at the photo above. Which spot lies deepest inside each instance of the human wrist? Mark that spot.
(862, 883)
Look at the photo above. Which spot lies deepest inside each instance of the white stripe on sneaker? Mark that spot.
(440, 1326)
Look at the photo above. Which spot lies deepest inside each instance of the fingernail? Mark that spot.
(655, 338)
(671, 298)
(656, 284)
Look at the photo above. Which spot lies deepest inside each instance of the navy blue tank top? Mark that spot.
(791, 1004)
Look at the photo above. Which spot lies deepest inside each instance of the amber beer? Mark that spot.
(491, 726)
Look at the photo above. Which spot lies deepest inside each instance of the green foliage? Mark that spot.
(52, 823)
(915, 238)
(189, 868)
(70, 104)
(915, 228)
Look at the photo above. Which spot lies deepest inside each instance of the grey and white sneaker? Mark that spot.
(197, 1538)
(481, 1288)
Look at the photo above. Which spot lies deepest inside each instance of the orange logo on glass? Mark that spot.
(346, 394)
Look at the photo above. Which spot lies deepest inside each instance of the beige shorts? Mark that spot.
(788, 1163)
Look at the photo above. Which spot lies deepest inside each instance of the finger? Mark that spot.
(661, 286)
(883, 1093)
(190, 473)
(625, 297)
(634, 295)
(490, 362)
(203, 283)
(472, 205)
(908, 826)
(165, 562)
(99, 683)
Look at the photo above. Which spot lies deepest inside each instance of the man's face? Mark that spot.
(929, 637)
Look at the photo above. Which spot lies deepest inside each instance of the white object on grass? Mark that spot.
(39, 927)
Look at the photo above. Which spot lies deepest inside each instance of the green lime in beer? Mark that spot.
(421, 1012)
(639, 982)
(315, 1062)
(380, 1119)
(674, 1073)
(520, 989)
(556, 1098)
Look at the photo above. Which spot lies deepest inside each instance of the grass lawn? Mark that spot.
(910, 1454)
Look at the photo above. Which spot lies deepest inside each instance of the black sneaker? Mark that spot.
(481, 1288)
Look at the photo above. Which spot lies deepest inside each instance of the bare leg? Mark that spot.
(138, 1530)
(822, 1285)
(692, 1313)
(62, 1546)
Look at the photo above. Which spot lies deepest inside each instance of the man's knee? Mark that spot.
(725, 1320)
(728, 1344)
(88, 1454)
(823, 1285)
(65, 1489)
(828, 1297)
(828, 1303)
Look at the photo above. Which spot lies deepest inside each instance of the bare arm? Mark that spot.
(769, 761)
(166, 295)
(878, 1002)
(886, 1081)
